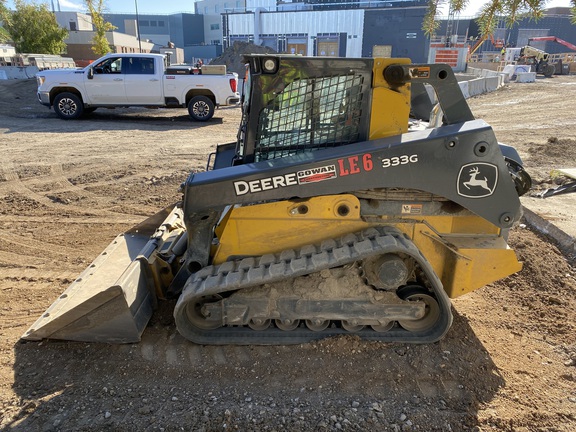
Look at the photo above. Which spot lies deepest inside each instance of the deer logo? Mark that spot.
(477, 180)
(483, 183)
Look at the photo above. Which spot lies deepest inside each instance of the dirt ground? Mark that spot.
(67, 188)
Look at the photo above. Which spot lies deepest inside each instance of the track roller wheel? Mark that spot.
(383, 327)
(317, 325)
(351, 327)
(259, 324)
(432, 313)
(287, 325)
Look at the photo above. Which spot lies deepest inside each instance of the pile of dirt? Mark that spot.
(232, 57)
(548, 157)
(17, 95)
(67, 188)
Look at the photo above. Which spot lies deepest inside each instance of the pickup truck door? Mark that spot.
(143, 80)
(107, 85)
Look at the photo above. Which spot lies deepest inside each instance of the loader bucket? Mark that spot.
(113, 299)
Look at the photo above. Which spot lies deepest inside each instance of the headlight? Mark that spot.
(40, 80)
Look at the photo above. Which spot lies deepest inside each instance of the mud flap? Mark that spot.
(113, 299)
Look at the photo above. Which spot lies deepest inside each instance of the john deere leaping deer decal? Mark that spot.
(477, 180)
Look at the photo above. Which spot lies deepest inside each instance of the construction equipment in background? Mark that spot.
(561, 61)
(552, 39)
(537, 59)
(541, 61)
(335, 212)
(497, 43)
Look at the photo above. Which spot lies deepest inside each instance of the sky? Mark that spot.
(173, 6)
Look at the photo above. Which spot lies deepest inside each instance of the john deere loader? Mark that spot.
(348, 204)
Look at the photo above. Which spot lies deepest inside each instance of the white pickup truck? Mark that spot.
(123, 80)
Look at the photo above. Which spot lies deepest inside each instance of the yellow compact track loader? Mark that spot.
(334, 212)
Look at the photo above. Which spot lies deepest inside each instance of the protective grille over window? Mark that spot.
(310, 114)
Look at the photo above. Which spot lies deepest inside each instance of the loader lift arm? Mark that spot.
(552, 39)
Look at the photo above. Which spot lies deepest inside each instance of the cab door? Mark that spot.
(143, 81)
(107, 84)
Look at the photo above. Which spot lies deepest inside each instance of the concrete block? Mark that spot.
(464, 87)
(19, 72)
(509, 71)
(477, 86)
(526, 77)
(472, 71)
(522, 68)
(492, 83)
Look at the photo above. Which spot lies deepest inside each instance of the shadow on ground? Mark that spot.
(166, 381)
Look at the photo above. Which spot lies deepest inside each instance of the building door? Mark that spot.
(327, 48)
(296, 48)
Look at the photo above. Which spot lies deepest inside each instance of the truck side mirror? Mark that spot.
(90, 73)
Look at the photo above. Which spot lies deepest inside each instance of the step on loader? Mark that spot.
(348, 204)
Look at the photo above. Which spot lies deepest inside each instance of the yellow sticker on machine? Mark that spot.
(420, 72)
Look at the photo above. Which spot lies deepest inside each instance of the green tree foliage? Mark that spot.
(100, 44)
(33, 29)
(3, 18)
(490, 14)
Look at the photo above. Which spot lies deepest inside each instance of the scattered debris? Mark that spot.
(563, 188)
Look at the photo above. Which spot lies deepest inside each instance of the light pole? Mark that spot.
(138, 26)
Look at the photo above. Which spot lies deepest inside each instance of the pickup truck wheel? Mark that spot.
(68, 106)
(201, 108)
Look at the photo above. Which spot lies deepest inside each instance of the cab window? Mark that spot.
(110, 65)
(139, 65)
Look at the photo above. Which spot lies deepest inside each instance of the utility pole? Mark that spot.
(138, 26)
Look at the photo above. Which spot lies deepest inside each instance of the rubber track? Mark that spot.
(250, 272)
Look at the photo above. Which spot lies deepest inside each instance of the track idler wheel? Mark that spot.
(432, 313)
(198, 317)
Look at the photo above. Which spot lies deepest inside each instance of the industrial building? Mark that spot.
(346, 28)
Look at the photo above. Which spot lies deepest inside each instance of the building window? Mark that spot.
(238, 3)
(206, 11)
(73, 26)
(216, 8)
(160, 23)
(225, 6)
(214, 26)
(153, 24)
(144, 23)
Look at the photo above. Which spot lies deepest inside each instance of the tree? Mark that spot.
(491, 12)
(100, 44)
(33, 29)
(3, 17)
